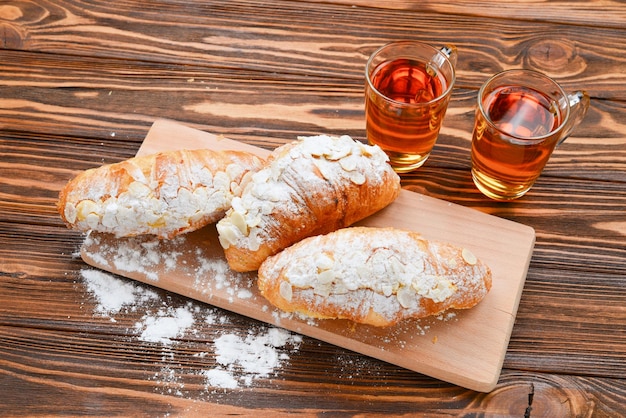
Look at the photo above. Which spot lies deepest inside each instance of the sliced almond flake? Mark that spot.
(221, 180)
(234, 170)
(324, 262)
(226, 234)
(70, 213)
(397, 267)
(139, 190)
(469, 257)
(92, 220)
(348, 163)
(356, 177)
(239, 221)
(338, 153)
(365, 149)
(406, 297)
(235, 188)
(322, 290)
(85, 208)
(285, 291)
(261, 176)
(387, 289)
(254, 243)
(442, 290)
(326, 172)
(325, 277)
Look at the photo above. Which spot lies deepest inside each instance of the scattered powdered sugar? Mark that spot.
(256, 355)
(113, 294)
(166, 324)
(446, 316)
(152, 258)
(231, 359)
(352, 365)
(217, 356)
(213, 275)
(135, 255)
(221, 378)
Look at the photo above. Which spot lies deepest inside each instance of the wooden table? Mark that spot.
(81, 84)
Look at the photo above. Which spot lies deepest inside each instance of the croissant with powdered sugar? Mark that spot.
(162, 194)
(310, 186)
(374, 276)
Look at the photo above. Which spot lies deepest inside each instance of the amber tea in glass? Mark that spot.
(406, 96)
(520, 118)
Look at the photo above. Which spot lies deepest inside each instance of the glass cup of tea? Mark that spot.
(521, 116)
(407, 90)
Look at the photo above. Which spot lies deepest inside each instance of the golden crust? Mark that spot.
(309, 187)
(162, 194)
(375, 276)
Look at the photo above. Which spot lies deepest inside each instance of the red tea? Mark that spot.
(522, 112)
(407, 81)
(405, 120)
(509, 158)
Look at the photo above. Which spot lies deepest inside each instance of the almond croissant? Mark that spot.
(375, 276)
(162, 194)
(311, 186)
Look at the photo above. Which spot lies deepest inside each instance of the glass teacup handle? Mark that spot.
(449, 51)
(578, 106)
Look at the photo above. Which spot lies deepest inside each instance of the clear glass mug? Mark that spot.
(407, 90)
(521, 117)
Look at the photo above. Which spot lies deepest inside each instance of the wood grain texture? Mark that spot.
(81, 84)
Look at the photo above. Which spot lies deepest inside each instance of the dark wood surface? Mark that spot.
(81, 82)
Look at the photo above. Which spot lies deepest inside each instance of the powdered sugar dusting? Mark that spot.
(161, 194)
(313, 166)
(136, 255)
(221, 378)
(255, 355)
(165, 325)
(113, 294)
(227, 358)
(194, 258)
(354, 272)
(213, 275)
(218, 355)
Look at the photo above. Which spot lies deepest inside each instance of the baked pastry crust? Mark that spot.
(162, 194)
(375, 276)
(311, 186)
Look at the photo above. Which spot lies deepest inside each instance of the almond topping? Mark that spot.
(357, 177)
(406, 297)
(238, 220)
(469, 257)
(286, 291)
(348, 163)
(85, 208)
(326, 277)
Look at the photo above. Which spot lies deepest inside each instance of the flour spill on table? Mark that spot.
(229, 361)
(255, 355)
(151, 258)
(114, 295)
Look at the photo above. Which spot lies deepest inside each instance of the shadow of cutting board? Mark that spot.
(466, 348)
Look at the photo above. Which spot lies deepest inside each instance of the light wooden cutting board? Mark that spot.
(466, 348)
